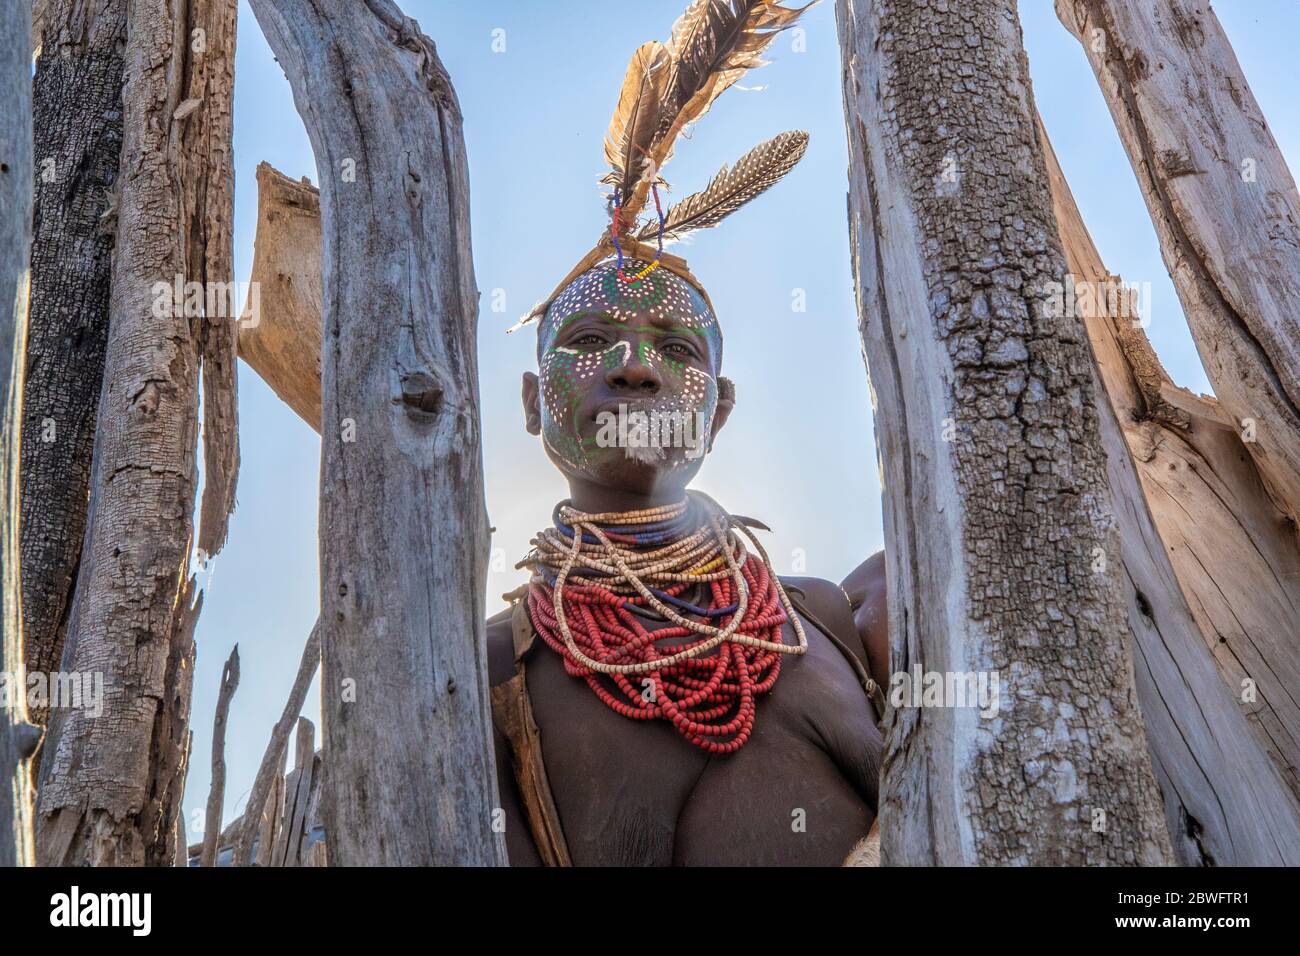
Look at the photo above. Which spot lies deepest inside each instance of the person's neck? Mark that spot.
(599, 499)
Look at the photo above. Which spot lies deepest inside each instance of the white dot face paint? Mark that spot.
(661, 323)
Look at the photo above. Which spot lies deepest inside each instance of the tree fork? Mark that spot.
(1224, 206)
(1226, 804)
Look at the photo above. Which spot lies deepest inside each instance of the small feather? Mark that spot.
(756, 172)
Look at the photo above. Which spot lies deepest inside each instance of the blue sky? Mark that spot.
(798, 453)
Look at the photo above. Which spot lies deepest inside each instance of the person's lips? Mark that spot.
(626, 404)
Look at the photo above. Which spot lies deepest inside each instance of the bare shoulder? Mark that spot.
(867, 591)
(866, 582)
(830, 605)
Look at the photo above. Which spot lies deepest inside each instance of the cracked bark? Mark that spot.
(997, 532)
(111, 784)
(1224, 206)
(18, 738)
(403, 527)
(1193, 534)
(77, 98)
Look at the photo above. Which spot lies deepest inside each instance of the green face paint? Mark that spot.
(600, 324)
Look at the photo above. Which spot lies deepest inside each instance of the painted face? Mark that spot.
(628, 373)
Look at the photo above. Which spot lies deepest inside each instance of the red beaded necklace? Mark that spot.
(709, 698)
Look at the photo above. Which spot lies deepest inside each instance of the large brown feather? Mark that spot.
(631, 131)
(756, 172)
(713, 44)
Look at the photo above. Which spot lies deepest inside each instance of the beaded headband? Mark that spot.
(668, 86)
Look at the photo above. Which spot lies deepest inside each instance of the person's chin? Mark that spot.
(642, 470)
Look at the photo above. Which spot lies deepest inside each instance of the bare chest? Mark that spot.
(633, 792)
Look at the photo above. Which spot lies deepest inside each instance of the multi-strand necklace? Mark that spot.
(595, 576)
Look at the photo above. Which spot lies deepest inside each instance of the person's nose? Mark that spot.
(634, 375)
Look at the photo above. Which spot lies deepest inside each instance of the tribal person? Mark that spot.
(660, 696)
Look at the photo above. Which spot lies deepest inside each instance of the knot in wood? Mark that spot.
(421, 393)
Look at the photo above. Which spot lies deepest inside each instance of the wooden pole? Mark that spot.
(217, 790)
(1004, 558)
(111, 783)
(77, 103)
(403, 526)
(18, 738)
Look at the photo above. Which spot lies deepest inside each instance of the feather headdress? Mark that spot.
(667, 87)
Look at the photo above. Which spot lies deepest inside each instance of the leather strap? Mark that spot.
(872, 689)
(512, 710)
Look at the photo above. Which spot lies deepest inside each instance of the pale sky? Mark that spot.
(798, 452)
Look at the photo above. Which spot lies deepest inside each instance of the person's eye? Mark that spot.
(677, 348)
(589, 339)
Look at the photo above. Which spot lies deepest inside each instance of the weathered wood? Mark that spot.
(112, 782)
(404, 682)
(297, 788)
(38, 18)
(271, 770)
(282, 835)
(999, 536)
(18, 738)
(272, 811)
(279, 331)
(1224, 206)
(208, 205)
(217, 789)
(77, 103)
(1225, 803)
(303, 855)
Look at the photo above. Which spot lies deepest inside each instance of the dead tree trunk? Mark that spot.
(77, 102)
(1225, 802)
(1223, 203)
(411, 776)
(18, 738)
(1225, 488)
(217, 791)
(1005, 555)
(111, 783)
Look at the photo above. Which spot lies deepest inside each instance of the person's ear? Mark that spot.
(726, 402)
(532, 412)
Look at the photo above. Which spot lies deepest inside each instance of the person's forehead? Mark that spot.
(660, 299)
